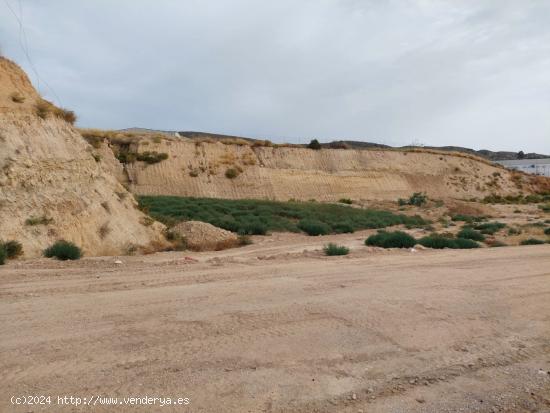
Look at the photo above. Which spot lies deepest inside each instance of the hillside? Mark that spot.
(352, 144)
(51, 184)
(237, 169)
(482, 153)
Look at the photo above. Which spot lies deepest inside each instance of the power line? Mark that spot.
(23, 42)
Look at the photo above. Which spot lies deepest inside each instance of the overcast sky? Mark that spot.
(469, 73)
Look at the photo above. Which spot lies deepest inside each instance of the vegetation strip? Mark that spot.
(259, 216)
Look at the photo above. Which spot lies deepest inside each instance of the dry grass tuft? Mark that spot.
(235, 141)
(227, 158)
(106, 206)
(17, 97)
(262, 143)
(146, 221)
(42, 109)
(65, 114)
(248, 159)
(45, 109)
(104, 230)
(541, 183)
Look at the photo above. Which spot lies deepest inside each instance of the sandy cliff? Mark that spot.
(52, 187)
(198, 168)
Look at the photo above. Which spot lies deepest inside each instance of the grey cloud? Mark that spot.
(471, 73)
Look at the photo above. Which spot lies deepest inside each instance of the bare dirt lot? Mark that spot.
(277, 327)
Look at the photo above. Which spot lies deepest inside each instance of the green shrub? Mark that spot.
(314, 144)
(468, 218)
(252, 228)
(151, 157)
(343, 228)
(545, 208)
(462, 243)
(533, 199)
(547, 231)
(499, 199)
(333, 249)
(12, 248)
(418, 199)
(3, 255)
(517, 199)
(436, 242)
(470, 233)
(231, 173)
(313, 227)
(126, 157)
(345, 201)
(531, 241)
(489, 228)
(439, 242)
(63, 250)
(397, 239)
(43, 220)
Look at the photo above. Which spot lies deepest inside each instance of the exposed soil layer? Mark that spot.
(236, 169)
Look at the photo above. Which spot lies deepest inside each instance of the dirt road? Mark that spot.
(273, 328)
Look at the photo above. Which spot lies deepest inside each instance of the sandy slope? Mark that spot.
(282, 173)
(277, 327)
(48, 171)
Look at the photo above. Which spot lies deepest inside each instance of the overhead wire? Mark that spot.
(23, 42)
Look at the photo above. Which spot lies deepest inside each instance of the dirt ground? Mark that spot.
(278, 327)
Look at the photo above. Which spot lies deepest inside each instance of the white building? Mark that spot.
(531, 166)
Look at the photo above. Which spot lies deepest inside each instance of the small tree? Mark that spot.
(521, 155)
(314, 144)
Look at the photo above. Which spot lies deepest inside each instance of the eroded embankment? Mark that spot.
(203, 168)
(51, 184)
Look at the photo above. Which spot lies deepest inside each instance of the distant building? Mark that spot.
(531, 166)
